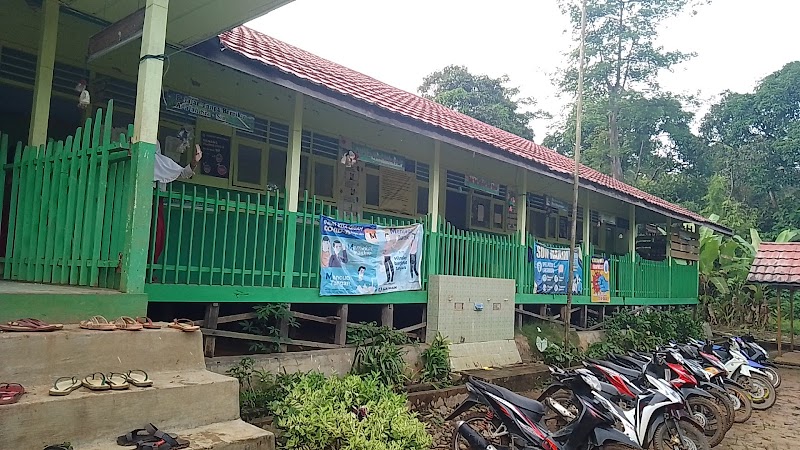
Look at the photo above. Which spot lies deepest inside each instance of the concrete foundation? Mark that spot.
(476, 355)
(185, 398)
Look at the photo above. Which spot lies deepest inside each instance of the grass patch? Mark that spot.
(552, 332)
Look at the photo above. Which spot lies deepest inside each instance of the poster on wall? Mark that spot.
(350, 189)
(216, 160)
(601, 290)
(363, 259)
(511, 200)
(551, 266)
(397, 191)
(370, 155)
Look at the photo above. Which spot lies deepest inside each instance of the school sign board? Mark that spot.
(364, 259)
(551, 266)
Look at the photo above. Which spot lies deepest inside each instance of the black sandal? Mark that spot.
(163, 441)
(135, 437)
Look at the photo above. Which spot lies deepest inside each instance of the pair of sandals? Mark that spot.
(100, 323)
(30, 324)
(10, 393)
(151, 438)
(101, 382)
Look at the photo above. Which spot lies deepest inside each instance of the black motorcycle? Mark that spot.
(521, 418)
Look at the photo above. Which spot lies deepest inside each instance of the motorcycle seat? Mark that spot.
(624, 371)
(532, 408)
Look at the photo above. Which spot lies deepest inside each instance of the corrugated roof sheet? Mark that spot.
(776, 264)
(307, 66)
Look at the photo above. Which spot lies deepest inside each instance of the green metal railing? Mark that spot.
(218, 237)
(68, 207)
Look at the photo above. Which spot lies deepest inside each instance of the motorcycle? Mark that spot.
(754, 380)
(666, 367)
(758, 357)
(521, 417)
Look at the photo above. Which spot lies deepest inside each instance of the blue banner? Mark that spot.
(550, 269)
(363, 259)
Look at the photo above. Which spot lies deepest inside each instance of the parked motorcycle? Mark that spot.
(755, 381)
(758, 357)
(521, 418)
(665, 366)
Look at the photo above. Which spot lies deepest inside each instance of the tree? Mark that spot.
(755, 147)
(487, 99)
(658, 152)
(622, 55)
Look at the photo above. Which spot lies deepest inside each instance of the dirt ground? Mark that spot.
(777, 428)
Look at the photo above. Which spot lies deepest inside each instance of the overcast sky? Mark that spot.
(398, 42)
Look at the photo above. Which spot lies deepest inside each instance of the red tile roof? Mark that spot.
(776, 264)
(340, 79)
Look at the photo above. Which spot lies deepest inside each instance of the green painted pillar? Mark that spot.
(293, 188)
(43, 87)
(632, 246)
(434, 192)
(145, 134)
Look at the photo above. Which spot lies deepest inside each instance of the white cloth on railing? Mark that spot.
(165, 170)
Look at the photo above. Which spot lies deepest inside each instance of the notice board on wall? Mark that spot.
(216, 160)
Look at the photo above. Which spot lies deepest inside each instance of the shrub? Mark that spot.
(378, 352)
(318, 413)
(436, 361)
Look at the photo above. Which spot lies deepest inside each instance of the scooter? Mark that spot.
(758, 357)
(522, 418)
(754, 380)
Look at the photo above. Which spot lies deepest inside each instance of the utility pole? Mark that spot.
(576, 175)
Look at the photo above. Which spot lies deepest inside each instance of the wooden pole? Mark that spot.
(780, 341)
(791, 319)
(576, 174)
(210, 322)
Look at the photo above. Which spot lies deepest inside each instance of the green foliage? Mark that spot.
(268, 323)
(379, 352)
(436, 361)
(316, 413)
(258, 389)
(623, 59)
(641, 331)
(562, 356)
(726, 296)
(481, 97)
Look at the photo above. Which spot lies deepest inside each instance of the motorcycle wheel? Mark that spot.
(742, 404)
(665, 438)
(708, 414)
(491, 430)
(774, 376)
(761, 391)
(725, 405)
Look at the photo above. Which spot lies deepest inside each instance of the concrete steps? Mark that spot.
(184, 396)
(233, 435)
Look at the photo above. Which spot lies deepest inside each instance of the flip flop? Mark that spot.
(65, 386)
(118, 381)
(184, 325)
(30, 324)
(128, 324)
(139, 378)
(64, 446)
(148, 323)
(98, 323)
(96, 384)
(10, 393)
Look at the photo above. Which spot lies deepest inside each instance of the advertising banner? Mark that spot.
(362, 259)
(601, 291)
(551, 266)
